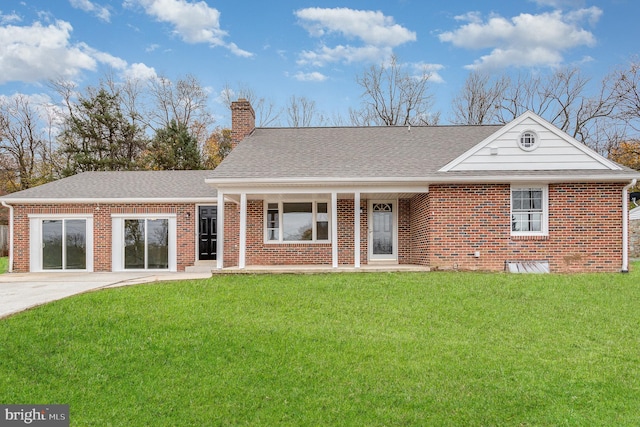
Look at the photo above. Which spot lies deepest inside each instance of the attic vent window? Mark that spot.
(528, 141)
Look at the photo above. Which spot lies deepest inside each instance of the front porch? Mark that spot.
(314, 230)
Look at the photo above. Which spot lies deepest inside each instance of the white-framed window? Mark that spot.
(61, 242)
(296, 221)
(144, 242)
(529, 210)
(528, 140)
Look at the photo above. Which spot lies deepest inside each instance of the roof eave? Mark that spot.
(84, 201)
(443, 178)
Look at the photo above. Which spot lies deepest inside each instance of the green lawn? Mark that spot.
(434, 349)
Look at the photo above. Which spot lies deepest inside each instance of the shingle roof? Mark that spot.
(121, 185)
(374, 153)
(349, 152)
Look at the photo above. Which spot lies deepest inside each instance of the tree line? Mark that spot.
(162, 124)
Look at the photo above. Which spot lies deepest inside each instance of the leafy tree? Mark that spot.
(174, 148)
(627, 153)
(217, 147)
(98, 136)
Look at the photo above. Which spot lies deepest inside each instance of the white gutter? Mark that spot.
(10, 235)
(84, 200)
(231, 183)
(625, 226)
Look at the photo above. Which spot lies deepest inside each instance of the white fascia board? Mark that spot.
(338, 181)
(406, 185)
(35, 201)
(552, 178)
(284, 189)
(542, 122)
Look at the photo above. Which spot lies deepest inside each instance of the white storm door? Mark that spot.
(383, 239)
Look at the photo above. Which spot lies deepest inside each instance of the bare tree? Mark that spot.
(183, 101)
(561, 98)
(24, 145)
(301, 112)
(625, 84)
(394, 97)
(267, 114)
(480, 99)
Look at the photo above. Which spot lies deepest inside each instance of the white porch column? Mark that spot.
(334, 229)
(356, 229)
(243, 231)
(220, 228)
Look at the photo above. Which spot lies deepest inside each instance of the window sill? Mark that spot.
(529, 237)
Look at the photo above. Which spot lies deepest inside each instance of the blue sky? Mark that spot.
(306, 48)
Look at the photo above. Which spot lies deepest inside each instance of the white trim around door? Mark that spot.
(383, 230)
(59, 242)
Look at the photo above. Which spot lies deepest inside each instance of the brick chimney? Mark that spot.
(243, 120)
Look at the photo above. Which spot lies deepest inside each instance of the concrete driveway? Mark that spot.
(20, 291)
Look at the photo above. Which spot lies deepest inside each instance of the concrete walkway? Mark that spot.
(20, 291)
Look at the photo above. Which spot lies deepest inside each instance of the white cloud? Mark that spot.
(525, 40)
(7, 19)
(139, 71)
(377, 33)
(100, 12)
(348, 54)
(192, 22)
(37, 52)
(422, 68)
(310, 77)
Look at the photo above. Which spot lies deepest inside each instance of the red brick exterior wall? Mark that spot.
(102, 234)
(260, 253)
(585, 228)
(442, 229)
(231, 234)
(405, 246)
(243, 120)
(420, 229)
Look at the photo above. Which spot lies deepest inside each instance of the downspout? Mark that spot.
(625, 226)
(10, 235)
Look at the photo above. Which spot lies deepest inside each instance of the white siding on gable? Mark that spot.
(554, 152)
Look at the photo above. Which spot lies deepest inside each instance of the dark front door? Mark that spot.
(207, 232)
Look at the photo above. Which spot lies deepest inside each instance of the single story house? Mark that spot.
(445, 197)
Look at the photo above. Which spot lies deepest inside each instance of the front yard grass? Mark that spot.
(368, 349)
